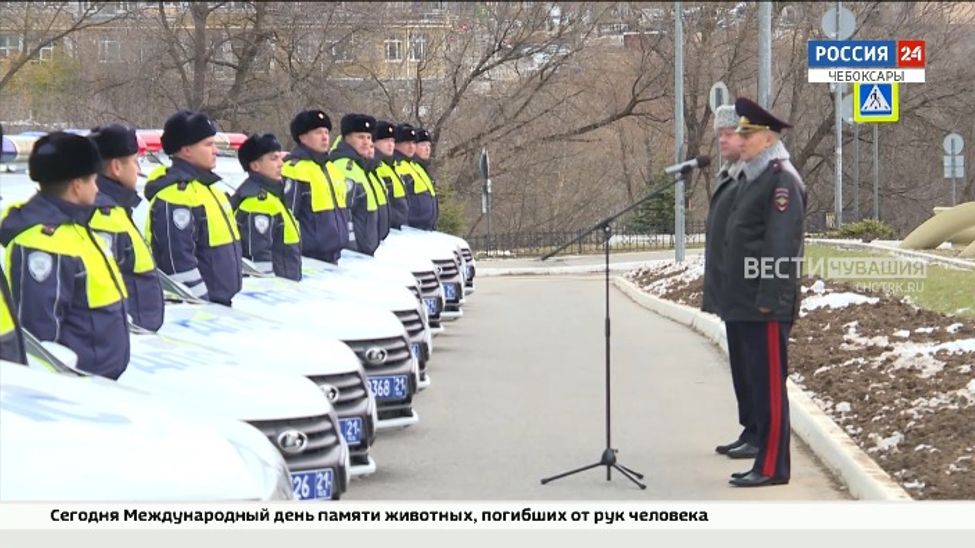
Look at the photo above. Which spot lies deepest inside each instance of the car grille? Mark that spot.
(415, 291)
(428, 282)
(397, 354)
(323, 441)
(412, 321)
(352, 402)
(398, 362)
(448, 269)
(352, 391)
(430, 287)
(466, 252)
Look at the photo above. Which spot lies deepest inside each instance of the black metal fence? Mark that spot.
(521, 244)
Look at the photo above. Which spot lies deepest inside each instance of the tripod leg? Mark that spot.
(637, 474)
(629, 477)
(569, 473)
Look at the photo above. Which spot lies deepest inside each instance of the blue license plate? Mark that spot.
(450, 291)
(415, 351)
(394, 387)
(431, 304)
(313, 484)
(351, 430)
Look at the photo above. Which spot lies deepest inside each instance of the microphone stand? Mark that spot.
(608, 458)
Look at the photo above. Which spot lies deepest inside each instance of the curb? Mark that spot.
(864, 478)
(555, 270)
(910, 253)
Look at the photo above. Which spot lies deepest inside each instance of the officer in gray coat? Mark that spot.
(763, 246)
(729, 142)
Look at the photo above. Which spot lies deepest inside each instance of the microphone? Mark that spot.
(685, 167)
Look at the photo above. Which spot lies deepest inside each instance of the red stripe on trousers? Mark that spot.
(775, 400)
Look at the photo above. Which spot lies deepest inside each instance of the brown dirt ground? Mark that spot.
(878, 400)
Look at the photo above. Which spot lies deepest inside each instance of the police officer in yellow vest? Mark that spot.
(417, 195)
(11, 336)
(404, 150)
(426, 214)
(384, 139)
(268, 230)
(112, 221)
(348, 157)
(191, 225)
(65, 285)
(315, 191)
(378, 189)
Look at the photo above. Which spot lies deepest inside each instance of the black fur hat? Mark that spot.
(308, 120)
(384, 130)
(59, 157)
(357, 123)
(256, 146)
(186, 128)
(405, 133)
(114, 141)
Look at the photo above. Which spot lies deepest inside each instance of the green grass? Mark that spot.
(943, 289)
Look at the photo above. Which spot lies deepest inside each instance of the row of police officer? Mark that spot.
(79, 270)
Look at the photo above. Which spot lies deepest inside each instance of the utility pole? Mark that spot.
(679, 129)
(765, 54)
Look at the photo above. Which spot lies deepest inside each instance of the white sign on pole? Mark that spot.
(847, 24)
(953, 143)
(958, 165)
(718, 96)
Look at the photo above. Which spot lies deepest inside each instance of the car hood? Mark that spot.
(193, 376)
(251, 340)
(413, 262)
(76, 438)
(324, 315)
(360, 290)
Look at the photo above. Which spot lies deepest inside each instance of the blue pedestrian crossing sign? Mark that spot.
(876, 102)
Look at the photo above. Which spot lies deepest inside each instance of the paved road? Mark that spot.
(517, 395)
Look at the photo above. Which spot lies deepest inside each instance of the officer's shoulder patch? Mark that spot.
(182, 185)
(105, 210)
(262, 195)
(350, 164)
(48, 230)
(780, 198)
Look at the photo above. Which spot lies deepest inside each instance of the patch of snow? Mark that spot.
(954, 328)
(914, 484)
(971, 387)
(843, 407)
(925, 330)
(903, 333)
(886, 444)
(818, 287)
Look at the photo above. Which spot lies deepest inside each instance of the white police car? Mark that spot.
(86, 439)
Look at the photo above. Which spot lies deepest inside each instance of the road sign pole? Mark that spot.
(876, 172)
(954, 181)
(856, 170)
(837, 99)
